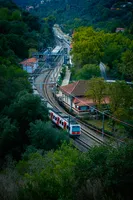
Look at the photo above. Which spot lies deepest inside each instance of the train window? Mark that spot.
(76, 128)
(62, 123)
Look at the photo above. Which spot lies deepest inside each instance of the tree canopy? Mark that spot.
(102, 173)
(101, 14)
(20, 110)
(91, 47)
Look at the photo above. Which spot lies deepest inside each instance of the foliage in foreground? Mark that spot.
(67, 174)
(19, 33)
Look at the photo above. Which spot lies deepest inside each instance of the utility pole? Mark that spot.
(103, 124)
(103, 120)
(70, 108)
(71, 103)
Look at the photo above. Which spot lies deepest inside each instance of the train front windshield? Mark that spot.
(76, 129)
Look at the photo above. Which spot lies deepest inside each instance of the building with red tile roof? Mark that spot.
(78, 88)
(74, 95)
(29, 64)
(119, 30)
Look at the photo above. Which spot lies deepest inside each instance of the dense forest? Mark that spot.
(19, 28)
(101, 14)
(38, 161)
(113, 49)
(20, 110)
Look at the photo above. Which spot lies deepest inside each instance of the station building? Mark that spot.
(74, 96)
(30, 65)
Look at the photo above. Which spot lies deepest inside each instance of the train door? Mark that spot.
(58, 121)
(51, 115)
(65, 125)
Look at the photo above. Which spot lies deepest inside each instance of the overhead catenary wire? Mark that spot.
(102, 112)
(94, 128)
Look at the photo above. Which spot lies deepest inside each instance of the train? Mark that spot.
(65, 122)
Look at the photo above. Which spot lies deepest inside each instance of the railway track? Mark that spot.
(81, 145)
(87, 139)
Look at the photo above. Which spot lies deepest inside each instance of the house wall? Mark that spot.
(66, 99)
(84, 108)
(35, 65)
(29, 68)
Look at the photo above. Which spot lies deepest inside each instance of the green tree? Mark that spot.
(4, 14)
(15, 42)
(3, 46)
(9, 137)
(12, 81)
(87, 47)
(127, 63)
(87, 72)
(97, 90)
(52, 176)
(16, 15)
(106, 172)
(32, 21)
(5, 26)
(121, 99)
(18, 28)
(44, 136)
(26, 108)
(32, 50)
(50, 20)
(112, 53)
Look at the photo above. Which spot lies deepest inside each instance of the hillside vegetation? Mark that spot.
(113, 49)
(21, 29)
(36, 160)
(103, 14)
(21, 112)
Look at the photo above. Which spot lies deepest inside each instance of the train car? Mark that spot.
(65, 122)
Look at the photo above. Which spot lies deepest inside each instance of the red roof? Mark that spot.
(78, 88)
(30, 61)
(119, 29)
(81, 101)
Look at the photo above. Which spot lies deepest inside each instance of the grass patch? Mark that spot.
(98, 123)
